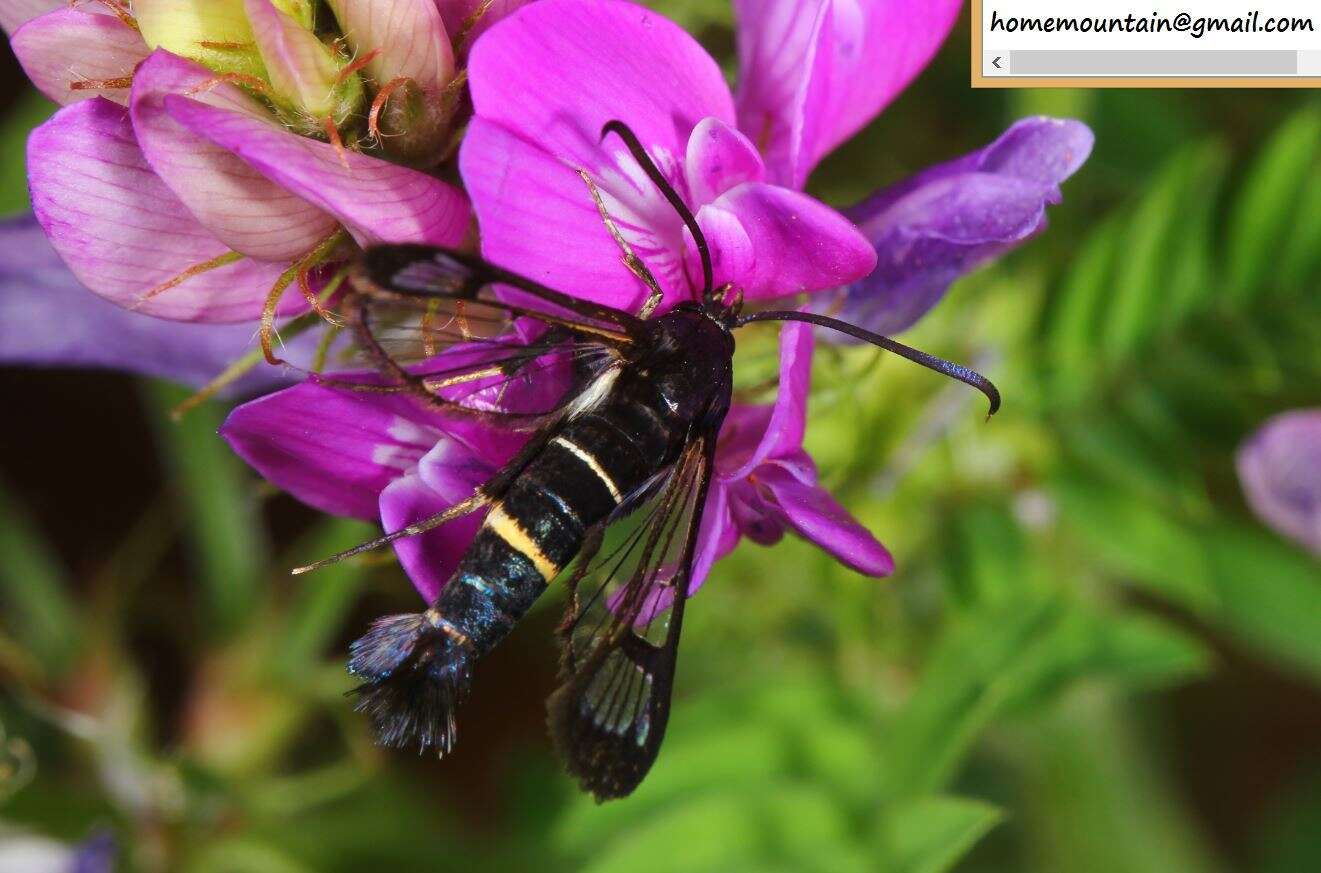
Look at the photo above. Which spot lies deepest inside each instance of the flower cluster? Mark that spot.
(541, 93)
(207, 146)
(231, 155)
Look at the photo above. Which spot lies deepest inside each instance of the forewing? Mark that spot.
(432, 273)
(434, 324)
(621, 636)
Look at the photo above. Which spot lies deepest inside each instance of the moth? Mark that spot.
(632, 436)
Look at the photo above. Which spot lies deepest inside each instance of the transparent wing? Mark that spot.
(428, 274)
(436, 324)
(621, 634)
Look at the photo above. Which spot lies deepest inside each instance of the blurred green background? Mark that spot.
(1092, 658)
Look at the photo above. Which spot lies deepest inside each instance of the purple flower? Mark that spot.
(951, 218)
(47, 318)
(190, 201)
(1279, 468)
(813, 72)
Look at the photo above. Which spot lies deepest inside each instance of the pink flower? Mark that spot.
(369, 455)
(184, 196)
(541, 94)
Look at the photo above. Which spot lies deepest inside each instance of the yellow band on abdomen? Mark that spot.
(518, 539)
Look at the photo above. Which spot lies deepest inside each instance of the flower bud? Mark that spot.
(414, 125)
(408, 37)
(215, 33)
(304, 72)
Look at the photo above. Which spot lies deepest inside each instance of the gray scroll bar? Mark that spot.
(1153, 63)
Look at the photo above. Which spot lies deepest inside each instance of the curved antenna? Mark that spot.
(931, 362)
(624, 132)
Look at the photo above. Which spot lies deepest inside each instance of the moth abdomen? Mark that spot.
(415, 669)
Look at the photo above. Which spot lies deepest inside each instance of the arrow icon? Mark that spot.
(996, 63)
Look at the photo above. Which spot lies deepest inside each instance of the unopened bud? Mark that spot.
(413, 124)
(304, 72)
(215, 33)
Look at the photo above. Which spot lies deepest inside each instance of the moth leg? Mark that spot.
(590, 549)
(630, 258)
(478, 500)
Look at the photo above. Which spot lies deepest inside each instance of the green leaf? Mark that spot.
(1094, 800)
(741, 739)
(1268, 201)
(974, 671)
(244, 855)
(30, 110)
(1138, 542)
(785, 826)
(931, 834)
(35, 591)
(1302, 247)
(1269, 593)
(1079, 305)
(1113, 448)
(987, 556)
(1129, 651)
(215, 491)
(695, 15)
(1190, 270)
(323, 598)
(1140, 294)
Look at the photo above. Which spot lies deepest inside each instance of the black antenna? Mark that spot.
(931, 362)
(624, 132)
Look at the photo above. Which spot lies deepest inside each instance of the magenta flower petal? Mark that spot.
(1279, 468)
(719, 157)
(48, 319)
(944, 222)
(786, 242)
(783, 48)
(122, 231)
(457, 13)
(818, 517)
(536, 216)
(241, 207)
(754, 434)
(431, 558)
(717, 536)
(540, 77)
(15, 13)
(76, 45)
(814, 72)
(332, 448)
(448, 474)
(543, 84)
(376, 200)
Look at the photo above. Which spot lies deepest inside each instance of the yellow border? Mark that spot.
(982, 81)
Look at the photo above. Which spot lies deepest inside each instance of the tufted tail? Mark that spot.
(415, 669)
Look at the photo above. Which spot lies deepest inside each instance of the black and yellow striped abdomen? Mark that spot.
(583, 474)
